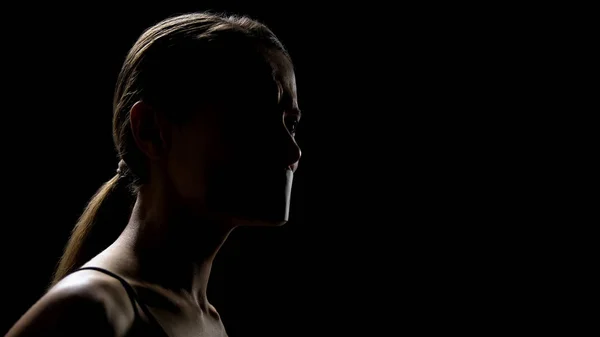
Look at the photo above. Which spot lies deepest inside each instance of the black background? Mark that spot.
(396, 202)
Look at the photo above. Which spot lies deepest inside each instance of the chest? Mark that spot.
(189, 324)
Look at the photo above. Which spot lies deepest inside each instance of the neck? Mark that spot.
(172, 248)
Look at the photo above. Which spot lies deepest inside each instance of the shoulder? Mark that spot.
(83, 303)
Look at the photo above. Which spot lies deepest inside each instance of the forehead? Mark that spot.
(283, 73)
(269, 85)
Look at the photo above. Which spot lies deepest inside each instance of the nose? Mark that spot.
(293, 154)
(291, 148)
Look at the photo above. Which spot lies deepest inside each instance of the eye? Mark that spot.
(292, 124)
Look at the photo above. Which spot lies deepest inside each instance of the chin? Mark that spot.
(263, 211)
(275, 223)
(255, 198)
(258, 222)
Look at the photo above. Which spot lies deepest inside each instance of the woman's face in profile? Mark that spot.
(239, 161)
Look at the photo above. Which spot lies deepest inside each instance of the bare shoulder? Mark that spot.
(85, 303)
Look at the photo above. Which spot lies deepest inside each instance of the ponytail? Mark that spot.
(102, 221)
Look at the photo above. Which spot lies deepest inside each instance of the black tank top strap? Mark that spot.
(126, 285)
(130, 292)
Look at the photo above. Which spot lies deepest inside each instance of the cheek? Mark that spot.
(187, 166)
(252, 141)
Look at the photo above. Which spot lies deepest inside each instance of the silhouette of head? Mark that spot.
(206, 107)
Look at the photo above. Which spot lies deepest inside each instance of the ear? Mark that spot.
(150, 130)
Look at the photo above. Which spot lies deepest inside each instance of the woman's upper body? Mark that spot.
(205, 114)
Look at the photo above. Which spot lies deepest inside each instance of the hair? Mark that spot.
(175, 66)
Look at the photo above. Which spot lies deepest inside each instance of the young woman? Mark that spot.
(205, 113)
